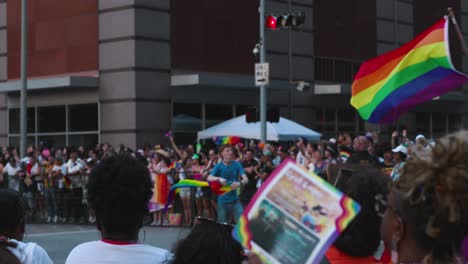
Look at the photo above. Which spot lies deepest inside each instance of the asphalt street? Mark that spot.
(59, 240)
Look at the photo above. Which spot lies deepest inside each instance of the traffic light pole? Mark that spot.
(24, 78)
(263, 98)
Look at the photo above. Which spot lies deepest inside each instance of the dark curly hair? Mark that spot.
(12, 208)
(433, 195)
(208, 243)
(119, 189)
(363, 184)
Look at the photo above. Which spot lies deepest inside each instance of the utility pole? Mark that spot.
(24, 78)
(263, 97)
(290, 66)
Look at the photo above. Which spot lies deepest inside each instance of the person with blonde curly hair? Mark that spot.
(426, 218)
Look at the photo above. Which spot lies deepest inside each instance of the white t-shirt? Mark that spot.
(97, 252)
(301, 160)
(10, 170)
(30, 253)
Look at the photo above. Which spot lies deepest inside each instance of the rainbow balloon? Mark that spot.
(226, 140)
(350, 210)
(216, 187)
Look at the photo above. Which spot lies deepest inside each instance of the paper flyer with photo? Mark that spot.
(294, 217)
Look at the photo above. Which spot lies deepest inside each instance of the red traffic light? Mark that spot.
(285, 21)
(271, 22)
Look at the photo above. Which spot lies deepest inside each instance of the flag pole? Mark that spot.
(457, 29)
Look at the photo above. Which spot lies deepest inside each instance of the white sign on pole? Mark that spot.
(262, 74)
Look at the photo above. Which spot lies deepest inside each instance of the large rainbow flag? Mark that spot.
(389, 85)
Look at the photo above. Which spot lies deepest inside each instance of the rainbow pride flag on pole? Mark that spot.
(391, 84)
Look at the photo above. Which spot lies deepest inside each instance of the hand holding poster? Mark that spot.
(294, 217)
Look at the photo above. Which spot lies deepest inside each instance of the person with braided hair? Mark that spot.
(119, 190)
(426, 217)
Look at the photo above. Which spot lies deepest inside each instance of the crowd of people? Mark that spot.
(53, 180)
(413, 196)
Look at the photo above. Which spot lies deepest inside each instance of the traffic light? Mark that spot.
(251, 115)
(290, 20)
(273, 115)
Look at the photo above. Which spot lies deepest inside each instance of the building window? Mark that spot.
(14, 141)
(325, 122)
(51, 119)
(187, 117)
(62, 125)
(83, 117)
(455, 123)
(87, 140)
(14, 120)
(423, 123)
(347, 121)
(217, 113)
(54, 140)
(439, 125)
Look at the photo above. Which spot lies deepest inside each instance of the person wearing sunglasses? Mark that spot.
(426, 217)
(208, 242)
(228, 173)
(12, 228)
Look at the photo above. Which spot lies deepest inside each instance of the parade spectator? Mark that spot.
(388, 162)
(421, 141)
(301, 157)
(361, 153)
(213, 160)
(320, 165)
(12, 229)
(50, 189)
(159, 169)
(399, 156)
(227, 173)
(331, 154)
(369, 187)
(249, 165)
(208, 242)
(426, 218)
(11, 171)
(118, 191)
(74, 210)
(282, 154)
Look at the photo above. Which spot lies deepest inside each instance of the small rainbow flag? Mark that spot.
(350, 210)
(344, 155)
(391, 84)
(242, 232)
(216, 187)
(226, 140)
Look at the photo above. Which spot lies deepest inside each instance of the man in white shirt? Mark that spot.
(119, 189)
(11, 170)
(73, 206)
(12, 226)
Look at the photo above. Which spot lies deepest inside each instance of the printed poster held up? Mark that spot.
(294, 217)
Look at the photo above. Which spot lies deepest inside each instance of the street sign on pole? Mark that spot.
(262, 74)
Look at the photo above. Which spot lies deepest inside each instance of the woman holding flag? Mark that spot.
(158, 169)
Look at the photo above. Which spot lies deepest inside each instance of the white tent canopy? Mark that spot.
(284, 130)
